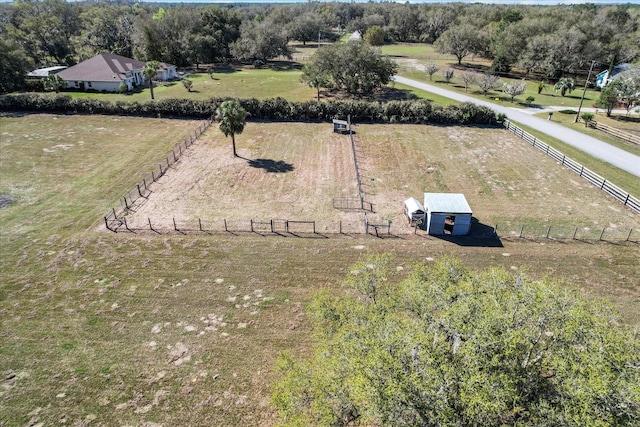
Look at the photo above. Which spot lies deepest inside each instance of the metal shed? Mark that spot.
(447, 213)
(340, 126)
(414, 211)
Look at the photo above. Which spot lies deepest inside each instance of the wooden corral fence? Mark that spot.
(626, 136)
(141, 191)
(613, 190)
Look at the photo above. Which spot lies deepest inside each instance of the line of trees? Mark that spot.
(551, 41)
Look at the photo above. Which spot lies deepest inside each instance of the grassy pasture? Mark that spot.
(412, 58)
(137, 329)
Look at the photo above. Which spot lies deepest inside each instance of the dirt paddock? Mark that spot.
(293, 171)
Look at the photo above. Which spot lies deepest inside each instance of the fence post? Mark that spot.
(174, 156)
(153, 176)
(161, 172)
(602, 234)
(126, 225)
(114, 213)
(340, 226)
(180, 149)
(495, 230)
(175, 227)
(106, 223)
(252, 225)
(574, 233)
(521, 228)
(200, 224)
(225, 225)
(604, 181)
(314, 227)
(139, 192)
(548, 231)
(581, 170)
(629, 235)
(144, 181)
(125, 202)
(272, 226)
(150, 226)
(626, 200)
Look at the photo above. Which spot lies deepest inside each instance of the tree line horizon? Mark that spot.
(550, 41)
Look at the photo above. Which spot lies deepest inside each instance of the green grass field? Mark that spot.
(135, 329)
(413, 56)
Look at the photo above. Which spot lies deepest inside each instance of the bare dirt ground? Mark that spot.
(293, 171)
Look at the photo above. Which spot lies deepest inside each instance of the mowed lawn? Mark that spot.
(145, 329)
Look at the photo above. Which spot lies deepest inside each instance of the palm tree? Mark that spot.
(564, 85)
(232, 118)
(149, 72)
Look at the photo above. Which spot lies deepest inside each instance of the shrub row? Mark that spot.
(277, 109)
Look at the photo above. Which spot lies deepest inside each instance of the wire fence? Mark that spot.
(132, 198)
(613, 190)
(363, 226)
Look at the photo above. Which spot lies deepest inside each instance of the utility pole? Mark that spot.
(585, 90)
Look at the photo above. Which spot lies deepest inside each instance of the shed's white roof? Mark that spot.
(413, 205)
(454, 203)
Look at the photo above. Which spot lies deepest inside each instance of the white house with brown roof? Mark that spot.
(106, 72)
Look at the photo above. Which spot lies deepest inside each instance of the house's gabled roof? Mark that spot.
(454, 203)
(105, 67)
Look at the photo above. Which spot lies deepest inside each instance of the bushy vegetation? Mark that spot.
(451, 347)
(552, 42)
(414, 111)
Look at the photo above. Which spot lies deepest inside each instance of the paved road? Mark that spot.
(596, 148)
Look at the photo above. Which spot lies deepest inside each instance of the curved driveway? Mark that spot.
(596, 148)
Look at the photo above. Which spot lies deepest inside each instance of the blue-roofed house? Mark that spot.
(603, 78)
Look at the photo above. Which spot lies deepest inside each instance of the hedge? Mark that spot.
(274, 109)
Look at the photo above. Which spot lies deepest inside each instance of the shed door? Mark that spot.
(449, 223)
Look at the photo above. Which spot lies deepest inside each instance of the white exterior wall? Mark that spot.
(100, 86)
(168, 74)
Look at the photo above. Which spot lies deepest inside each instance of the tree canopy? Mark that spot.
(353, 67)
(453, 347)
(554, 41)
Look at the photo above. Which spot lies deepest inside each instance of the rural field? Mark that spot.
(147, 329)
(294, 171)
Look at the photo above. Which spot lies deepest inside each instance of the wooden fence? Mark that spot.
(619, 194)
(629, 137)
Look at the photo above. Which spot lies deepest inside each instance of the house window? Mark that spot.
(77, 84)
(89, 84)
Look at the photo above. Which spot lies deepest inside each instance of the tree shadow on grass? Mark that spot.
(271, 166)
